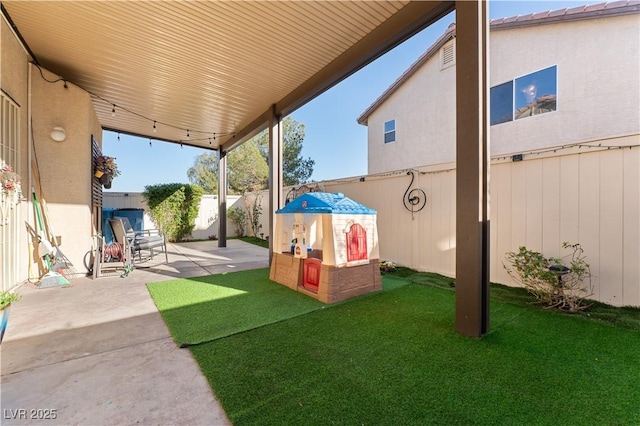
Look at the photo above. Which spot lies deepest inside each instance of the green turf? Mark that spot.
(393, 358)
(206, 308)
(202, 309)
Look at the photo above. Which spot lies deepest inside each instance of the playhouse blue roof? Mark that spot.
(325, 202)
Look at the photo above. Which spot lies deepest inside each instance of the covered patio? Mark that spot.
(90, 351)
(214, 74)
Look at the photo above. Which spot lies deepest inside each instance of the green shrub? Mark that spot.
(562, 283)
(174, 208)
(238, 216)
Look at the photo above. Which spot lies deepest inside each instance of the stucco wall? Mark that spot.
(425, 132)
(66, 167)
(598, 94)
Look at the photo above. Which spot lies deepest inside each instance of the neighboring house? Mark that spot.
(558, 78)
(564, 143)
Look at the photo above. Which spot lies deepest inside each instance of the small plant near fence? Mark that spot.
(561, 283)
(387, 266)
(254, 210)
(238, 216)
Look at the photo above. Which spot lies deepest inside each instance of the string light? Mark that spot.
(150, 145)
(118, 137)
(206, 134)
(563, 147)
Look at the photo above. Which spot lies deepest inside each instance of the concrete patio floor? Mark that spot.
(98, 352)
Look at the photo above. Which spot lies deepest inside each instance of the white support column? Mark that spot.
(275, 173)
(222, 198)
(472, 169)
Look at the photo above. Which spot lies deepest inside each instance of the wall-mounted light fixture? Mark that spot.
(58, 134)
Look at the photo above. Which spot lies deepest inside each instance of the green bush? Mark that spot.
(238, 216)
(562, 283)
(174, 208)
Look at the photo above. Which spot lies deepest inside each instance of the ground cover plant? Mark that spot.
(393, 357)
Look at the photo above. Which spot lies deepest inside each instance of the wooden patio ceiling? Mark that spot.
(209, 73)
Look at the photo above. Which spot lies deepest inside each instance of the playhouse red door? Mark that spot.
(311, 274)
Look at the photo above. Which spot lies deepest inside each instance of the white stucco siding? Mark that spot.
(598, 92)
(598, 81)
(423, 114)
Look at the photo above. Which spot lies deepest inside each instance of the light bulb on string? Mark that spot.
(113, 110)
(118, 137)
(150, 143)
(187, 134)
(154, 127)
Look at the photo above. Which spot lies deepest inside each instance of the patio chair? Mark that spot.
(147, 241)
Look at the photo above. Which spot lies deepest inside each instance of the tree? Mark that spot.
(248, 171)
(204, 172)
(247, 164)
(295, 169)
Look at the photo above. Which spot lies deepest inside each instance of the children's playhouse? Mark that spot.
(326, 246)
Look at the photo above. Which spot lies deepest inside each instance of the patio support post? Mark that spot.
(472, 169)
(222, 198)
(275, 173)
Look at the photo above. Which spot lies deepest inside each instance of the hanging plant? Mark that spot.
(10, 191)
(105, 169)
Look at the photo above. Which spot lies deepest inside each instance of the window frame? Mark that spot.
(391, 131)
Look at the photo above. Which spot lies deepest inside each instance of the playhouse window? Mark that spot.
(356, 243)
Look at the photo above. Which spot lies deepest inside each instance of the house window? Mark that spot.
(529, 95)
(448, 55)
(390, 131)
(501, 103)
(357, 244)
(536, 93)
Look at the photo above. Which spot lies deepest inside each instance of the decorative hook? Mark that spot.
(414, 199)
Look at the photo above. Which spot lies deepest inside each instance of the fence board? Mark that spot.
(631, 231)
(589, 208)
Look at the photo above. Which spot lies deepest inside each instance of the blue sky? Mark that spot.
(334, 139)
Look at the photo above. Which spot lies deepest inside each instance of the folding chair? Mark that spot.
(138, 242)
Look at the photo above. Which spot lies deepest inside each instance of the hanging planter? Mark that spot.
(105, 169)
(10, 191)
(106, 181)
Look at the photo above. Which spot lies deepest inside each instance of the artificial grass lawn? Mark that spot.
(393, 358)
(202, 309)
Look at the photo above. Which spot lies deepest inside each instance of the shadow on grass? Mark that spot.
(393, 358)
(199, 310)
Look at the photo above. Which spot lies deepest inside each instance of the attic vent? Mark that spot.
(447, 55)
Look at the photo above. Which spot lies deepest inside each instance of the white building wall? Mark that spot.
(424, 130)
(598, 90)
